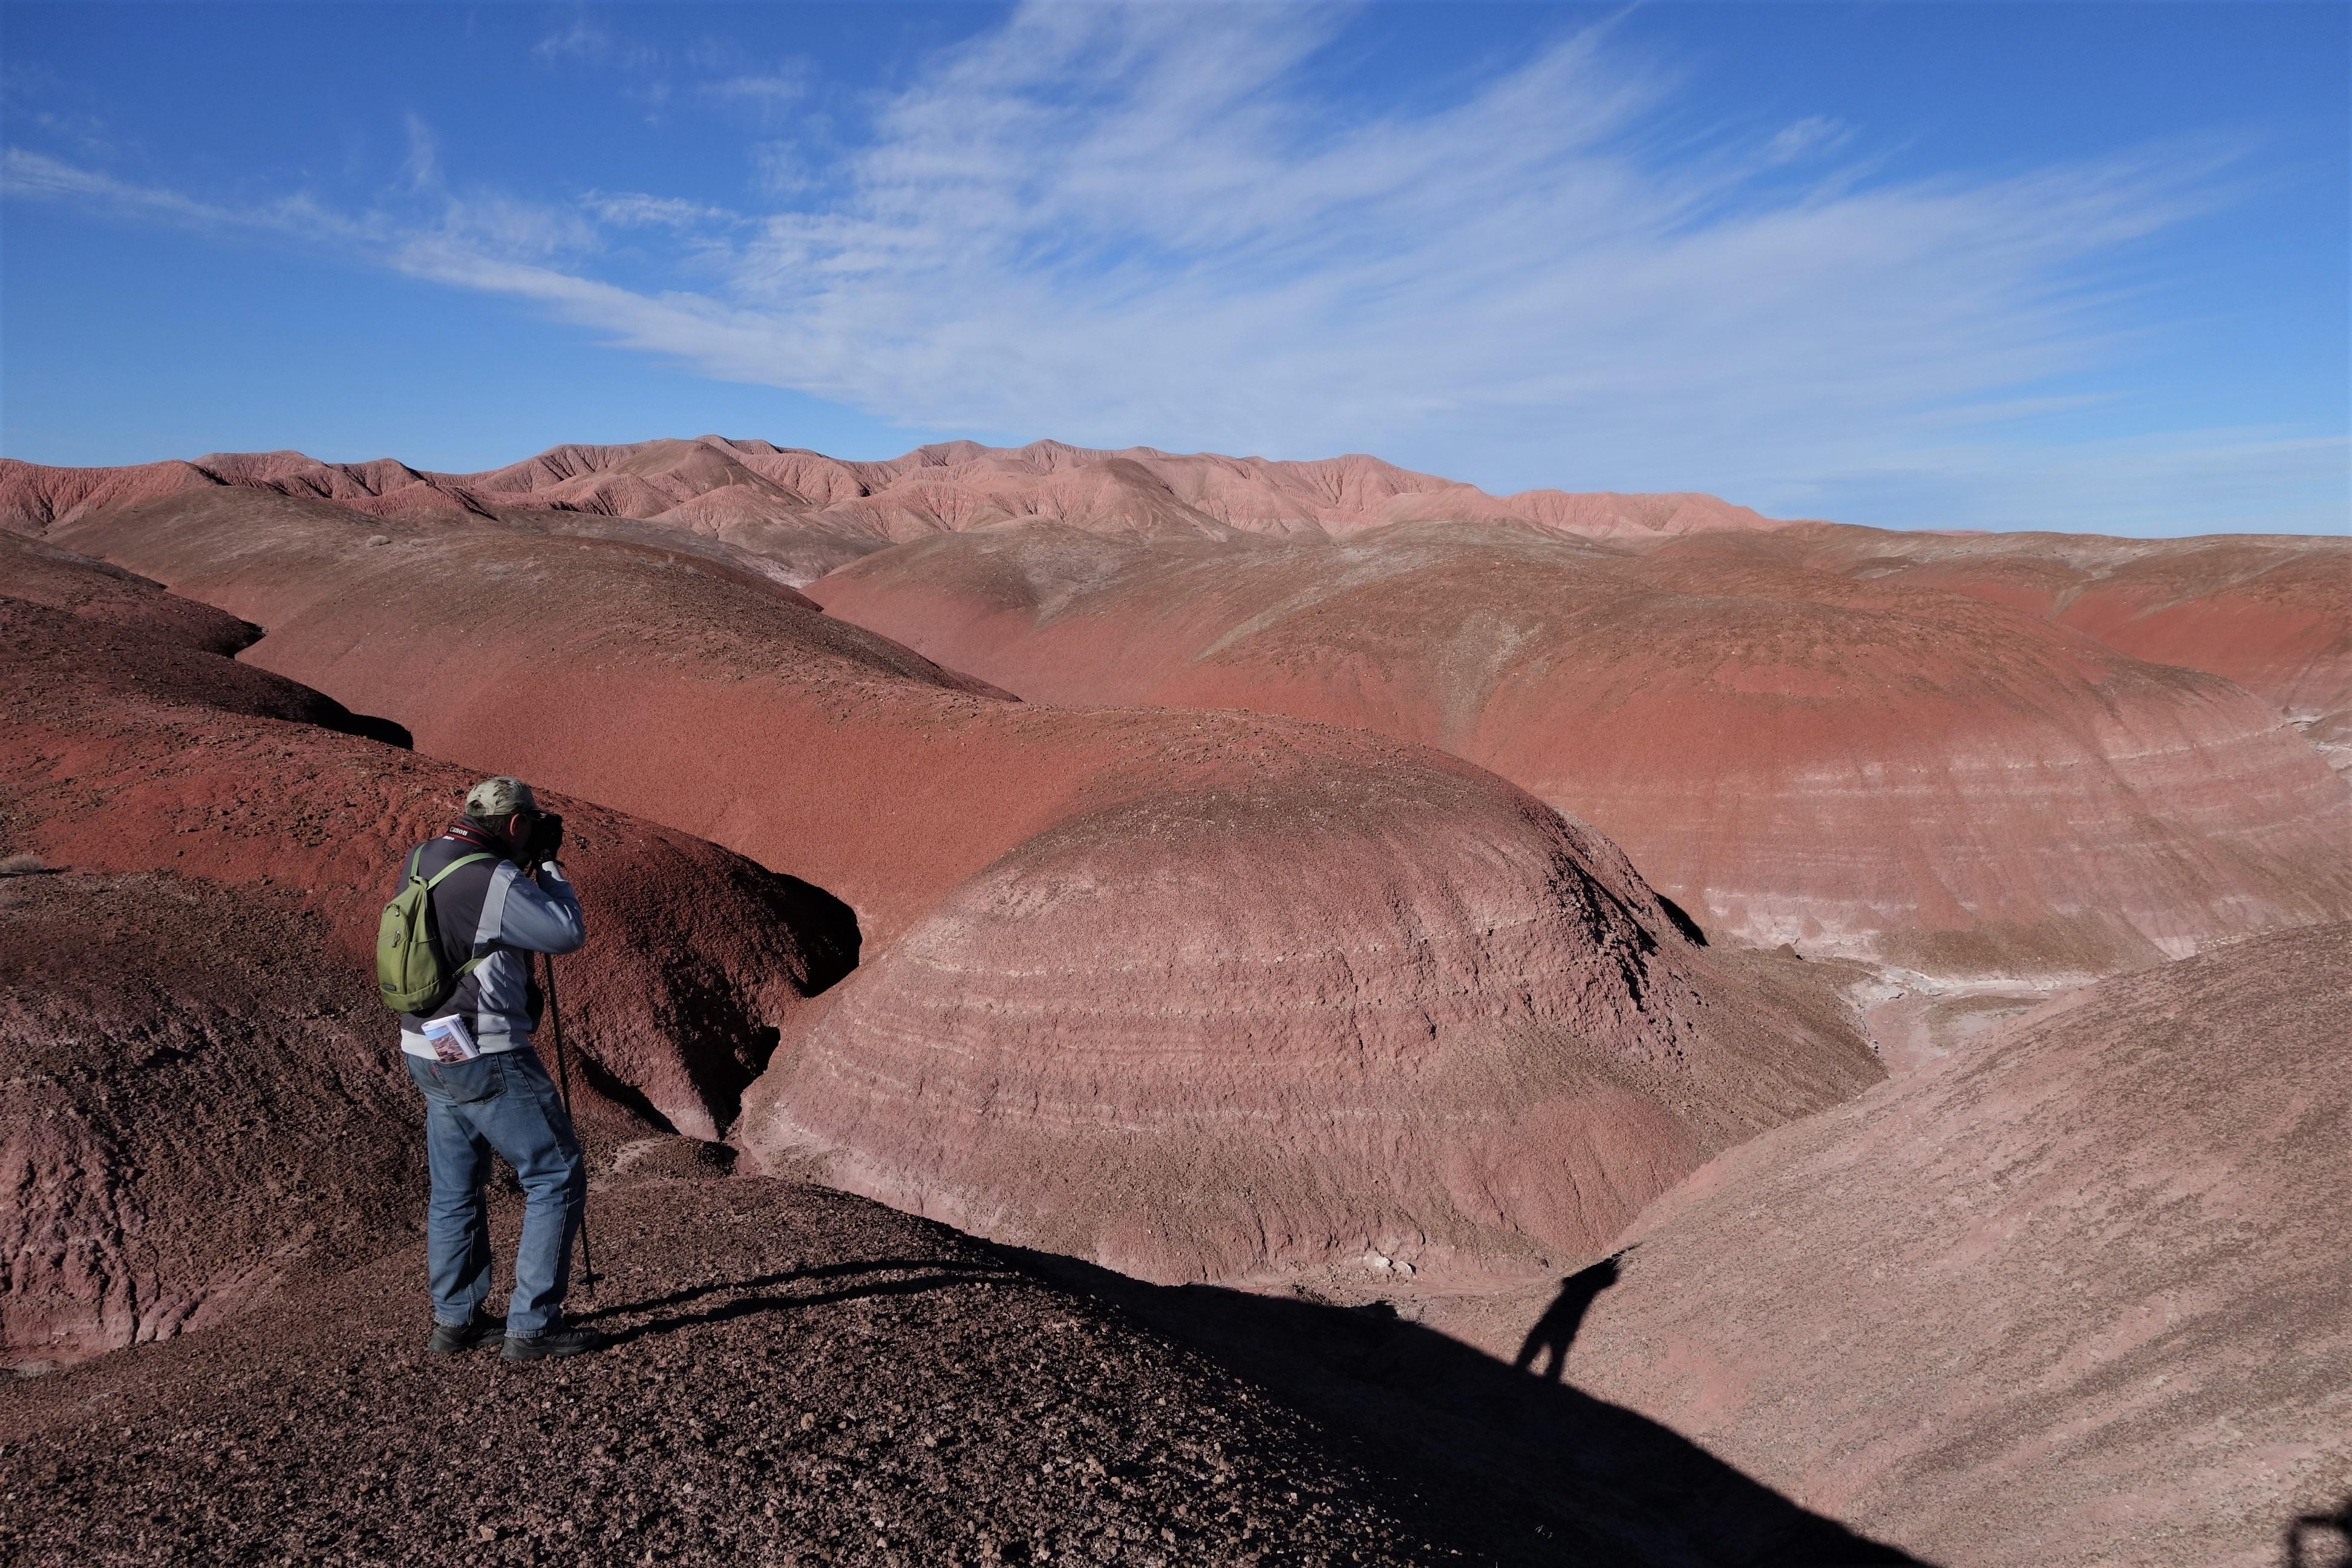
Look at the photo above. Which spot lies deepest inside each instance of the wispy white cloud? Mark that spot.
(1811, 137)
(587, 40)
(1142, 224)
(485, 222)
(635, 209)
(27, 173)
(421, 169)
(785, 84)
(1123, 225)
(779, 169)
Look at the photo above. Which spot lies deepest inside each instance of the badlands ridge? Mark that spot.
(1337, 902)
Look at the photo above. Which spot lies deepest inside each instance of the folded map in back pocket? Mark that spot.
(450, 1040)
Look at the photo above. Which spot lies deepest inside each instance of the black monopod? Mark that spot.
(564, 1083)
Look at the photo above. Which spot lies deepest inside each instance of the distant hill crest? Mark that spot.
(949, 487)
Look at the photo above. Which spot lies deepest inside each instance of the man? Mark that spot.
(484, 1086)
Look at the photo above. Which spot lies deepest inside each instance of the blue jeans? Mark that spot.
(504, 1102)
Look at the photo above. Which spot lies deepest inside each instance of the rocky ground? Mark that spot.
(798, 1377)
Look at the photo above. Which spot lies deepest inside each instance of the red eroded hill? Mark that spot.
(128, 752)
(2273, 614)
(1794, 755)
(1378, 1021)
(715, 701)
(197, 1103)
(807, 512)
(202, 1096)
(725, 706)
(34, 497)
(1141, 490)
(2076, 1297)
(41, 573)
(1913, 776)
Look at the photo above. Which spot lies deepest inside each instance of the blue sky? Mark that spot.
(2038, 266)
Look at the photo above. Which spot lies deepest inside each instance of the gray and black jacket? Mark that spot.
(492, 907)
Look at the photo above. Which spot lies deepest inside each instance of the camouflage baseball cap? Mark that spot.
(494, 799)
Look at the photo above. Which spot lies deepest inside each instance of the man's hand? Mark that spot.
(546, 840)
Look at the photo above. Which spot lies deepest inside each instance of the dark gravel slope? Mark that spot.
(801, 1377)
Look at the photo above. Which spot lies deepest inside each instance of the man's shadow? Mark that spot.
(1522, 1469)
(762, 1293)
(1555, 1330)
(2305, 1543)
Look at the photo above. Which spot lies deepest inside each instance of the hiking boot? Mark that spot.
(558, 1340)
(448, 1339)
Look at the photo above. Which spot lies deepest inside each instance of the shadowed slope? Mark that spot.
(1907, 775)
(2073, 1296)
(1572, 1478)
(39, 574)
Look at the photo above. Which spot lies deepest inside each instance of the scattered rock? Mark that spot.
(687, 1159)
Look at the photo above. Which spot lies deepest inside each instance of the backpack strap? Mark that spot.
(476, 961)
(460, 860)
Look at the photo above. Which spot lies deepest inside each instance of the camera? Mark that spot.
(546, 838)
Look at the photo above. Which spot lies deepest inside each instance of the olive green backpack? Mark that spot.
(409, 970)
